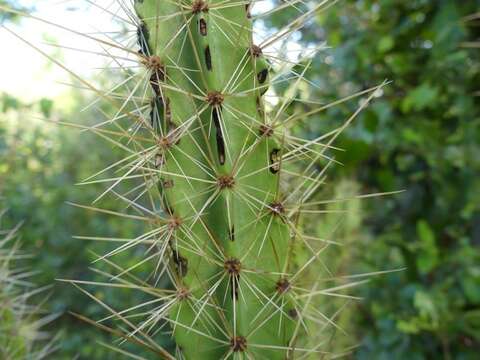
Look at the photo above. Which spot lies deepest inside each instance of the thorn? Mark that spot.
(247, 9)
(282, 286)
(266, 130)
(167, 184)
(199, 6)
(183, 293)
(215, 98)
(256, 51)
(225, 182)
(174, 222)
(232, 266)
(154, 63)
(238, 344)
(277, 208)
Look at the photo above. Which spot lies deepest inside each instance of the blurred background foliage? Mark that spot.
(40, 163)
(422, 136)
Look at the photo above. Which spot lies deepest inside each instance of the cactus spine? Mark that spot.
(219, 165)
(21, 319)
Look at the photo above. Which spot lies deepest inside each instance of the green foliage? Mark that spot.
(422, 136)
(40, 163)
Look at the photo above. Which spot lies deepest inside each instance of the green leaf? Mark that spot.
(422, 97)
(428, 255)
(385, 44)
(46, 107)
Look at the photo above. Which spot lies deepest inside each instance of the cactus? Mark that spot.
(225, 226)
(230, 235)
(222, 181)
(21, 336)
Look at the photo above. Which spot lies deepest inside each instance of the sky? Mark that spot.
(30, 75)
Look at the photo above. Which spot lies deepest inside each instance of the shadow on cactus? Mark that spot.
(217, 170)
(21, 318)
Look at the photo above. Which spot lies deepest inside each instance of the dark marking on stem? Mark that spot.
(231, 233)
(274, 161)
(168, 209)
(216, 113)
(203, 27)
(159, 160)
(260, 107)
(181, 264)
(262, 76)
(153, 109)
(143, 36)
(208, 58)
(247, 9)
(282, 286)
(154, 83)
(156, 108)
(168, 184)
(293, 314)
(168, 113)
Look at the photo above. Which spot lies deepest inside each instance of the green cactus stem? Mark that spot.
(229, 240)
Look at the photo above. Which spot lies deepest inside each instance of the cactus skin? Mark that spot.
(229, 239)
